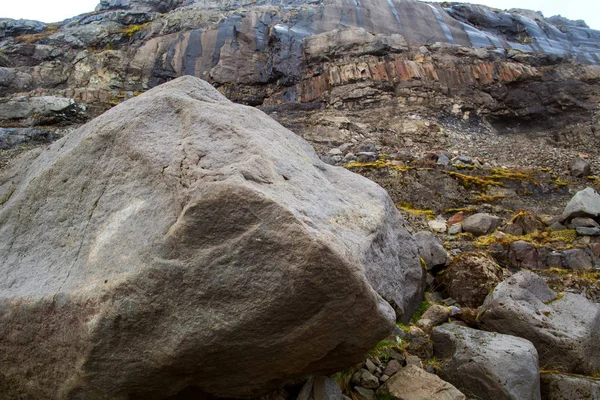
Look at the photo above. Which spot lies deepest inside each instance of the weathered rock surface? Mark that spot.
(38, 110)
(433, 316)
(471, 277)
(138, 5)
(567, 387)
(580, 168)
(413, 383)
(577, 259)
(10, 137)
(564, 328)
(481, 224)
(487, 365)
(431, 250)
(585, 203)
(523, 254)
(180, 234)
(320, 388)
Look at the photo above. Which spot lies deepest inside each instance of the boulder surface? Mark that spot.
(413, 383)
(481, 224)
(568, 387)
(487, 365)
(585, 203)
(563, 328)
(179, 235)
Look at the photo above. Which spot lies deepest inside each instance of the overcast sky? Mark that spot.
(57, 10)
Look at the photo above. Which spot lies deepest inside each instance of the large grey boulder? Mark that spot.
(481, 224)
(564, 328)
(585, 203)
(181, 240)
(413, 383)
(431, 250)
(569, 387)
(487, 365)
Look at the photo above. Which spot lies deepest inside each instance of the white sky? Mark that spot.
(58, 10)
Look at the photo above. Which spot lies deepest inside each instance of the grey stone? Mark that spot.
(481, 224)
(556, 386)
(443, 160)
(585, 203)
(577, 259)
(364, 156)
(371, 367)
(434, 297)
(392, 367)
(487, 365)
(555, 260)
(364, 394)
(512, 229)
(431, 250)
(181, 218)
(580, 168)
(368, 380)
(583, 222)
(38, 110)
(325, 388)
(433, 316)
(414, 361)
(523, 254)
(138, 5)
(18, 27)
(584, 231)
(10, 137)
(413, 383)
(306, 391)
(563, 328)
(455, 229)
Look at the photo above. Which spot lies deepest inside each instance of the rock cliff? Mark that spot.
(515, 64)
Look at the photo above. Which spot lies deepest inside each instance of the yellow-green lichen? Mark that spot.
(469, 181)
(133, 29)
(409, 208)
(567, 236)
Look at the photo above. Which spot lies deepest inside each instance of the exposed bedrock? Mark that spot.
(180, 234)
(516, 71)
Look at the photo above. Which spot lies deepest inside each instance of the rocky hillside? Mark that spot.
(482, 125)
(331, 70)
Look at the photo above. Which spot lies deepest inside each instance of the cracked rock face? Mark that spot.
(563, 328)
(179, 234)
